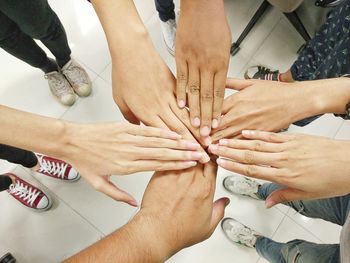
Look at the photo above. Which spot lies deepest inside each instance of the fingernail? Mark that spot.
(221, 162)
(213, 148)
(193, 146)
(133, 202)
(223, 142)
(207, 141)
(247, 132)
(190, 164)
(181, 103)
(196, 122)
(227, 201)
(269, 203)
(215, 123)
(205, 131)
(197, 155)
(174, 135)
(206, 158)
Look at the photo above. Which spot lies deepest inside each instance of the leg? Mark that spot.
(39, 21)
(332, 209)
(5, 182)
(297, 251)
(166, 9)
(18, 156)
(21, 46)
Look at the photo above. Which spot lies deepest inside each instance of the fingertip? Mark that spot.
(269, 203)
(221, 162)
(215, 124)
(196, 122)
(205, 131)
(207, 141)
(132, 202)
(248, 133)
(181, 104)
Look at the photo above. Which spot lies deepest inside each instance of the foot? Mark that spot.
(29, 195)
(57, 169)
(78, 78)
(239, 233)
(60, 88)
(260, 72)
(169, 34)
(241, 185)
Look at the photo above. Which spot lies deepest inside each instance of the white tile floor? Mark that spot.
(80, 215)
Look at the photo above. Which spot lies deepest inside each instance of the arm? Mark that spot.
(272, 106)
(97, 150)
(172, 217)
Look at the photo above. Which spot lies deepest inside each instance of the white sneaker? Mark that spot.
(78, 78)
(169, 34)
(241, 185)
(60, 88)
(239, 233)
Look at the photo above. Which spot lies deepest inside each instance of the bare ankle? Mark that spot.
(286, 77)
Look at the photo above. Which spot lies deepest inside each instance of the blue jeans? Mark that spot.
(334, 210)
(166, 9)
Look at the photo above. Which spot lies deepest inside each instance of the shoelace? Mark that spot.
(264, 70)
(57, 169)
(244, 235)
(25, 192)
(75, 73)
(59, 85)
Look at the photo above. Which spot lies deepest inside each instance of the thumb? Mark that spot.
(238, 84)
(286, 195)
(218, 211)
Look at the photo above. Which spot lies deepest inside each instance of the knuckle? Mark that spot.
(182, 78)
(207, 95)
(250, 171)
(219, 93)
(257, 146)
(194, 88)
(248, 156)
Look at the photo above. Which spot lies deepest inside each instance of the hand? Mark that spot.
(203, 41)
(179, 209)
(310, 167)
(146, 93)
(99, 150)
(265, 105)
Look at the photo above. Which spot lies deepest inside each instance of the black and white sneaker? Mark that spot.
(260, 72)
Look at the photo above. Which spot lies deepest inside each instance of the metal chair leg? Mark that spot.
(298, 25)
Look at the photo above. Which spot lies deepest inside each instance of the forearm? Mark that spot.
(32, 132)
(135, 242)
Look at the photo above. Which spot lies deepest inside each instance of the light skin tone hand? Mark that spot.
(203, 41)
(272, 106)
(309, 167)
(177, 211)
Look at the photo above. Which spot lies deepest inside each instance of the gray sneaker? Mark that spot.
(78, 78)
(239, 233)
(237, 184)
(60, 88)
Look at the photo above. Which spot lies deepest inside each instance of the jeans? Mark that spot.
(334, 210)
(166, 9)
(327, 55)
(18, 156)
(21, 21)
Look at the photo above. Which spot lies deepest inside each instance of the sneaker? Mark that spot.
(57, 169)
(260, 72)
(78, 78)
(29, 195)
(169, 34)
(241, 185)
(239, 233)
(60, 88)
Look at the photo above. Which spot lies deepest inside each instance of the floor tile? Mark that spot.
(57, 233)
(344, 131)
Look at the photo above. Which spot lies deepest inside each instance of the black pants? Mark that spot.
(21, 21)
(18, 156)
(166, 9)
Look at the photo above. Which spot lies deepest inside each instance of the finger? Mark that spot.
(286, 195)
(127, 113)
(102, 184)
(246, 156)
(143, 165)
(228, 104)
(253, 145)
(218, 212)
(169, 155)
(267, 136)
(219, 94)
(153, 132)
(206, 102)
(193, 95)
(226, 133)
(238, 84)
(182, 79)
(254, 171)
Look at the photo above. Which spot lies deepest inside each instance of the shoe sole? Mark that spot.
(62, 180)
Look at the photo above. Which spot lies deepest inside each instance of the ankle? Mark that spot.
(286, 77)
(50, 66)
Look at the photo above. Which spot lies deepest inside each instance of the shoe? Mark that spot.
(239, 233)
(7, 258)
(241, 185)
(29, 195)
(57, 169)
(78, 78)
(60, 88)
(169, 34)
(260, 72)
(328, 3)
